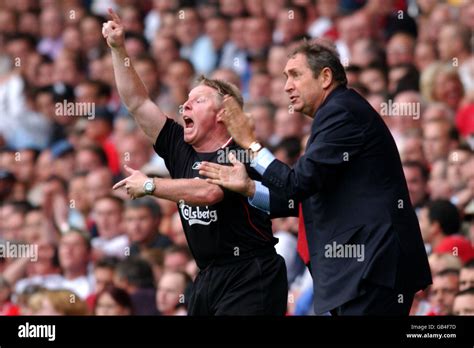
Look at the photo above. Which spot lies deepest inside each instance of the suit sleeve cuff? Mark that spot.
(261, 198)
(263, 160)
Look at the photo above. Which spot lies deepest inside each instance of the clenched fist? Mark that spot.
(113, 31)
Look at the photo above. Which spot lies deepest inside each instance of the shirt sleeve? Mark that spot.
(261, 197)
(263, 160)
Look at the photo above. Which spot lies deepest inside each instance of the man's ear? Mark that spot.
(435, 228)
(219, 115)
(326, 75)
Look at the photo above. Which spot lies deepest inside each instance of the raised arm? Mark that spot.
(130, 87)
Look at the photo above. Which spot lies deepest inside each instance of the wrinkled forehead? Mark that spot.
(202, 90)
(298, 61)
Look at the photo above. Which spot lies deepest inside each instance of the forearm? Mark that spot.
(191, 191)
(131, 89)
(16, 270)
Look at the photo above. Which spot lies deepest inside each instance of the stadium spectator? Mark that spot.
(466, 276)
(171, 293)
(142, 218)
(443, 292)
(113, 301)
(135, 276)
(57, 302)
(464, 302)
(111, 239)
(440, 227)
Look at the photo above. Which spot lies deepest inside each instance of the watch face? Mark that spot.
(255, 147)
(148, 187)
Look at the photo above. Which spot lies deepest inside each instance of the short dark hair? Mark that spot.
(291, 146)
(102, 89)
(181, 249)
(130, 35)
(28, 38)
(119, 295)
(410, 79)
(21, 207)
(468, 265)
(320, 55)
(417, 164)
(109, 262)
(468, 291)
(98, 151)
(223, 88)
(136, 271)
(446, 214)
(145, 202)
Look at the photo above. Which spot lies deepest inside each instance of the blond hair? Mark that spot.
(63, 301)
(223, 88)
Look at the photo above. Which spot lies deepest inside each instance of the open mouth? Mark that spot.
(188, 122)
(293, 99)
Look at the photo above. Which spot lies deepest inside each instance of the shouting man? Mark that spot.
(231, 241)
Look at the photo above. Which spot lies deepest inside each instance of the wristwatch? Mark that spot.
(255, 147)
(149, 186)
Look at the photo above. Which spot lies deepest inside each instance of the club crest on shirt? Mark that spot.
(196, 165)
(197, 215)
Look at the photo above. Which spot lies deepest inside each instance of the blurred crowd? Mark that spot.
(65, 136)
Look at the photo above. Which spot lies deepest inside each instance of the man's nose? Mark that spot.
(187, 105)
(289, 86)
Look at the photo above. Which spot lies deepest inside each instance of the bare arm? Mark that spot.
(192, 191)
(16, 270)
(131, 89)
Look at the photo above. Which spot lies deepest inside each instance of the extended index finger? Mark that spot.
(209, 166)
(114, 16)
(119, 184)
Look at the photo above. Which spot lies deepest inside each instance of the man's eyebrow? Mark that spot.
(290, 71)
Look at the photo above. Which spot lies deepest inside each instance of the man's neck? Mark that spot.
(213, 142)
(151, 237)
(323, 99)
(437, 241)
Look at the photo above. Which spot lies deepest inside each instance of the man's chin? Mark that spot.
(298, 107)
(188, 139)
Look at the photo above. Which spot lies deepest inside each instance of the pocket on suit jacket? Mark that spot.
(344, 236)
